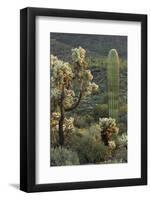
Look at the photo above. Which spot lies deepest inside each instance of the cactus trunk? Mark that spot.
(113, 83)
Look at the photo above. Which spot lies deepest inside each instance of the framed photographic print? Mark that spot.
(83, 99)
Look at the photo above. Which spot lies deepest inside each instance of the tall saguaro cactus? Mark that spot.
(113, 83)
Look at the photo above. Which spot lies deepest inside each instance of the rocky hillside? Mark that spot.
(96, 45)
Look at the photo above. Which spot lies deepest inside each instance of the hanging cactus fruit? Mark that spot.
(113, 83)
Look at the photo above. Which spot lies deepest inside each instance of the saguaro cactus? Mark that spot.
(113, 83)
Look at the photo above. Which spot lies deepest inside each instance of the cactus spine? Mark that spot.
(113, 83)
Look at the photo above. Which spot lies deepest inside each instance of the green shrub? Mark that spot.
(101, 110)
(123, 118)
(122, 140)
(120, 154)
(80, 122)
(122, 127)
(83, 121)
(123, 65)
(63, 156)
(88, 119)
(87, 143)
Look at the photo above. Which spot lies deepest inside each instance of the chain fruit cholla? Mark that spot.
(64, 77)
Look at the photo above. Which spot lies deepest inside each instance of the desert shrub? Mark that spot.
(122, 127)
(98, 62)
(101, 110)
(123, 65)
(83, 121)
(93, 130)
(63, 156)
(122, 140)
(88, 145)
(80, 122)
(88, 119)
(120, 154)
(123, 118)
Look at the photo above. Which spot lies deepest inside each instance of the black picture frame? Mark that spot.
(28, 98)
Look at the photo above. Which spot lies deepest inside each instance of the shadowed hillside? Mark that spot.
(95, 45)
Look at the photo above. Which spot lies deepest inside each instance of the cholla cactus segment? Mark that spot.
(78, 55)
(61, 72)
(82, 73)
(88, 75)
(53, 60)
(68, 127)
(112, 145)
(108, 128)
(108, 123)
(94, 87)
(68, 124)
(90, 88)
(68, 98)
(56, 93)
(55, 116)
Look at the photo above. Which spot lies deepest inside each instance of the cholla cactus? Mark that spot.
(108, 128)
(88, 75)
(53, 60)
(55, 116)
(112, 144)
(68, 127)
(82, 74)
(63, 75)
(54, 120)
(68, 98)
(78, 55)
(91, 87)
